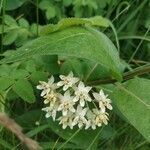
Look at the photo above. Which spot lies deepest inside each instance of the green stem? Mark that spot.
(1, 5)
(96, 137)
(138, 37)
(132, 56)
(126, 76)
(69, 139)
(132, 15)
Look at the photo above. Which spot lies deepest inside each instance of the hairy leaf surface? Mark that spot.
(77, 42)
(133, 100)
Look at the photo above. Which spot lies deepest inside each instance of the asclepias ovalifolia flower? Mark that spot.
(72, 103)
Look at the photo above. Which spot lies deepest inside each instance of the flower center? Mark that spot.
(66, 105)
(82, 96)
(66, 81)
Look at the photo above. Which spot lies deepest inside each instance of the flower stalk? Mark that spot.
(126, 76)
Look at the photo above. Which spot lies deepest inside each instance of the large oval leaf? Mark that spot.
(77, 42)
(11, 5)
(133, 100)
(5, 82)
(24, 89)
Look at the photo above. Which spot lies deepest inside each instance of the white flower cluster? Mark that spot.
(72, 98)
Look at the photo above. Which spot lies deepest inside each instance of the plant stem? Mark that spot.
(1, 5)
(126, 76)
(138, 37)
(94, 140)
(138, 46)
(69, 139)
(131, 16)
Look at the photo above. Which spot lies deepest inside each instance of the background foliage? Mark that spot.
(33, 50)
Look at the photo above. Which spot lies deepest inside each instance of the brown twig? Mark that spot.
(11, 125)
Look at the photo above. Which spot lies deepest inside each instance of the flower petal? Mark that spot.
(39, 87)
(64, 112)
(82, 102)
(47, 115)
(65, 87)
(109, 107)
(46, 101)
(96, 96)
(76, 98)
(62, 77)
(43, 93)
(51, 80)
(60, 83)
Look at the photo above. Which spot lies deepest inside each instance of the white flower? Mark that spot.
(50, 111)
(100, 117)
(47, 87)
(81, 93)
(66, 103)
(67, 120)
(103, 100)
(80, 116)
(51, 98)
(70, 104)
(90, 123)
(91, 120)
(67, 81)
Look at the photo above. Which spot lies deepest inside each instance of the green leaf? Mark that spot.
(24, 90)
(29, 66)
(76, 42)
(50, 12)
(5, 70)
(27, 120)
(99, 21)
(11, 5)
(73, 65)
(12, 96)
(23, 23)
(37, 130)
(6, 29)
(22, 37)
(85, 69)
(38, 76)
(10, 37)
(5, 82)
(48, 63)
(79, 138)
(10, 21)
(50, 145)
(19, 74)
(133, 100)
(33, 29)
(67, 2)
(44, 4)
(94, 71)
(4, 144)
(68, 22)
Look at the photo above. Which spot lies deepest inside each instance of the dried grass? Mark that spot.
(12, 126)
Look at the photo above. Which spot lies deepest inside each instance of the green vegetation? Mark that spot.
(105, 43)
